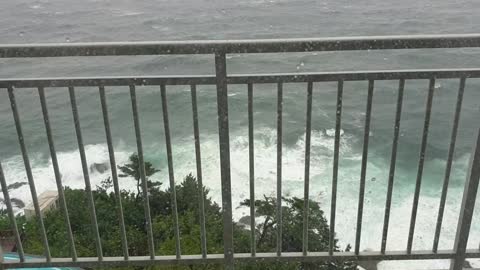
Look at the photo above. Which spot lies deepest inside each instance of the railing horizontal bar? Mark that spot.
(239, 46)
(242, 78)
(219, 258)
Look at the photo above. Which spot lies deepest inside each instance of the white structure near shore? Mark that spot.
(47, 201)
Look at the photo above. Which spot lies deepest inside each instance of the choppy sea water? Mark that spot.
(71, 21)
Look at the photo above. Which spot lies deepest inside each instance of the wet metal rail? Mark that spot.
(221, 79)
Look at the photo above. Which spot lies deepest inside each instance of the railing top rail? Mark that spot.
(241, 78)
(239, 46)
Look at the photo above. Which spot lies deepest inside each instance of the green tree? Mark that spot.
(292, 231)
(188, 197)
(132, 169)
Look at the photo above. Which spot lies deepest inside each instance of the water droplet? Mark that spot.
(298, 67)
(67, 39)
(302, 64)
(21, 34)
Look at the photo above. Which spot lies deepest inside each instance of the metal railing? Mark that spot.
(221, 79)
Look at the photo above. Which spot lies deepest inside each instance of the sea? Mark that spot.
(69, 21)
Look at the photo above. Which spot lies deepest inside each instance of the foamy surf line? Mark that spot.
(322, 144)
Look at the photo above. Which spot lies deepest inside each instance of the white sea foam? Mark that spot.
(322, 145)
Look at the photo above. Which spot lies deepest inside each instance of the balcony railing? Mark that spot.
(219, 49)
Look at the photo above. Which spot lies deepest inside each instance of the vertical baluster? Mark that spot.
(338, 125)
(224, 141)
(363, 172)
(251, 163)
(88, 188)
(28, 170)
(279, 167)
(11, 215)
(448, 167)
(421, 161)
(170, 170)
(56, 171)
(306, 196)
(468, 207)
(196, 134)
(391, 174)
(143, 178)
(113, 167)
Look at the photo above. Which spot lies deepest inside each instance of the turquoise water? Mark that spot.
(51, 21)
(14, 257)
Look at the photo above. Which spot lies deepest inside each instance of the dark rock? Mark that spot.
(16, 185)
(244, 220)
(369, 265)
(17, 202)
(99, 167)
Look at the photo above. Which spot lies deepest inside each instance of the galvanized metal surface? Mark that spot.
(448, 167)
(143, 177)
(243, 78)
(393, 161)
(224, 142)
(240, 46)
(113, 168)
(56, 172)
(336, 151)
(221, 79)
(86, 176)
(11, 216)
(198, 159)
(306, 195)
(240, 257)
(28, 170)
(171, 177)
(278, 213)
(467, 208)
(251, 169)
(421, 162)
(363, 172)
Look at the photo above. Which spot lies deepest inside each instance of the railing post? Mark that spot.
(468, 205)
(224, 142)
